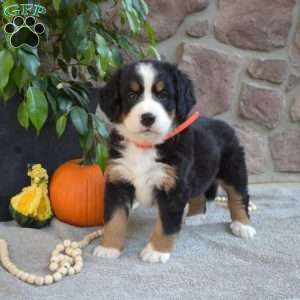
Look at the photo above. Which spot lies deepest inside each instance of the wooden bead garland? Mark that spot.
(66, 259)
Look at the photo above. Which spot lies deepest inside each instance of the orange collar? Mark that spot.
(188, 122)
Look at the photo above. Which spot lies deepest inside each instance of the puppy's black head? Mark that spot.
(145, 99)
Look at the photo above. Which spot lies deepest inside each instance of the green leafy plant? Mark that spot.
(83, 43)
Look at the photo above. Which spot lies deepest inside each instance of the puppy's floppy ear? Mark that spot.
(109, 97)
(185, 97)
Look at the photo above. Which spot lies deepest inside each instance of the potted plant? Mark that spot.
(47, 95)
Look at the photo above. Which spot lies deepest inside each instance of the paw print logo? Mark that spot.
(24, 31)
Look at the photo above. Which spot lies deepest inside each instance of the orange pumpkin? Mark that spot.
(77, 193)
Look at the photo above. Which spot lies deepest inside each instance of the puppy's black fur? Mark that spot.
(203, 154)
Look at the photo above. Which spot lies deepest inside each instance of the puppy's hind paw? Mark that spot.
(194, 220)
(151, 255)
(242, 230)
(106, 252)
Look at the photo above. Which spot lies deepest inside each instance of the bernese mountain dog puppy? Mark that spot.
(145, 101)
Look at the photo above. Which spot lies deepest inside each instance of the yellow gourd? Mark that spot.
(31, 207)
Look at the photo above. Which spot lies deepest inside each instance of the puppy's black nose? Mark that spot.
(147, 119)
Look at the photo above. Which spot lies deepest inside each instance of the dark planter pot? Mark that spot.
(19, 147)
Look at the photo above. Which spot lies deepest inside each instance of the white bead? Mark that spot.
(77, 251)
(54, 253)
(66, 265)
(63, 271)
(59, 247)
(8, 265)
(19, 273)
(53, 267)
(61, 257)
(70, 260)
(24, 276)
(71, 271)
(69, 251)
(54, 259)
(77, 268)
(78, 259)
(66, 257)
(31, 278)
(57, 276)
(48, 279)
(74, 245)
(67, 243)
(39, 280)
(12, 269)
(15, 270)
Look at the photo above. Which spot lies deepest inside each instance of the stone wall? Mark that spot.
(244, 59)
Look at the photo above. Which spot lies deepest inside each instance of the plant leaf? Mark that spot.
(80, 119)
(150, 33)
(152, 52)
(101, 46)
(6, 64)
(52, 102)
(86, 141)
(64, 104)
(88, 53)
(102, 66)
(101, 156)
(29, 61)
(100, 127)
(9, 91)
(61, 124)
(116, 57)
(133, 21)
(37, 107)
(56, 4)
(23, 115)
(21, 76)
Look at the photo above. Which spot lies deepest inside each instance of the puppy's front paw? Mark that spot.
(242, 230)
(106, 252)
(151, 255)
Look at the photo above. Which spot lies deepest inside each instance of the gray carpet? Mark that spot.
(208, 262)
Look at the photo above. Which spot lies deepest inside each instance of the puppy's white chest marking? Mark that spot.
(139, 167)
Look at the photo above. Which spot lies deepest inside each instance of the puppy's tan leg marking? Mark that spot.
(160, 245)
(240, 220)
(169, 179)
(196, 205)
(114, 233)
(236, 205)
(196, 211)
(159, 240)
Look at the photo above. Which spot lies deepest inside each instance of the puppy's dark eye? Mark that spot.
(162, 94)
(133, 95)
(160, 89)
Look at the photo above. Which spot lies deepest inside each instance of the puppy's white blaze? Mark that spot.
(148, 74)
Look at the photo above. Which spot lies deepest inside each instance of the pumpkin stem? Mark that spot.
(88, 158)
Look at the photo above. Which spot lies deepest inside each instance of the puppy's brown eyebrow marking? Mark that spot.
(159, 86)
(134, 86)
